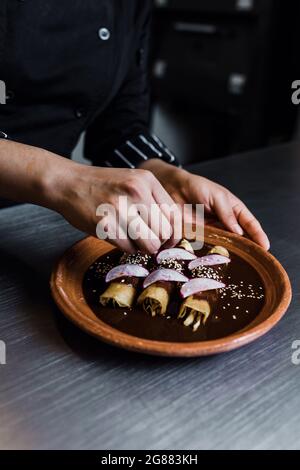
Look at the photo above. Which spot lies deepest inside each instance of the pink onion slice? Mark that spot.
(126, 270)
(175, 253)
(209, 260)
(200, 284)
(164, 275)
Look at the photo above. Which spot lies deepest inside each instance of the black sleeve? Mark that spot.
(120, 136)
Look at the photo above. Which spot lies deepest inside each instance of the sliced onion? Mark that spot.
(201, 284)
(209, 260)
(164, 275)
(126, 270)
(175, 253)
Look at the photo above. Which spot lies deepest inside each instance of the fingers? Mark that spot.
(236, 217)
(146, 236)
(223, 209)
(145, 239)
(142, 218)
(147, 217)
(153, 215)
(171, 212)
(148, 223)
(128, 232)
(251, 225)
(108, 228)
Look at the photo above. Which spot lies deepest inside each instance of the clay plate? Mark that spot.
(66, 287)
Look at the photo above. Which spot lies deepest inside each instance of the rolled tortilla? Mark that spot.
(119, 294)
(156, 297)
(122, 292)
(196, 309)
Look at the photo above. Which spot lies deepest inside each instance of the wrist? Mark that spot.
(58, 179)
(152, 164)
(157, 166)
(164, 171)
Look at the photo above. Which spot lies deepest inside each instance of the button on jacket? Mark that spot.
(71, 66)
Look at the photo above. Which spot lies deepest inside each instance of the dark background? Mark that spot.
(221, 73)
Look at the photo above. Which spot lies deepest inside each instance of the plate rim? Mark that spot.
(118, 338)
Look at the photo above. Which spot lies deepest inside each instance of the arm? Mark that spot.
(26, 172)
(33, 175)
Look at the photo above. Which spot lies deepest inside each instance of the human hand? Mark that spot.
(79, 190)
(187, 188)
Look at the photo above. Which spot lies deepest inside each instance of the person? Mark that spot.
(81, 66)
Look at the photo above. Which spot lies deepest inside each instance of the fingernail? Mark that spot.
(237, 229)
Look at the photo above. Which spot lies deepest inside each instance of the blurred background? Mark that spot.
(221, 73)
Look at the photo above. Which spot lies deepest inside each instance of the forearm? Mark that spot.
(28, 174)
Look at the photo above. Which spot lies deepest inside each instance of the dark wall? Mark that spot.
(226, 68)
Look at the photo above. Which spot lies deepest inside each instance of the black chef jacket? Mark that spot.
(75, 65)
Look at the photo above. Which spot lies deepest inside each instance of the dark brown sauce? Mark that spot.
(230, 314)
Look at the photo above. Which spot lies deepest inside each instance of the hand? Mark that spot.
(187, 188)
(78, 190)
(34, 175)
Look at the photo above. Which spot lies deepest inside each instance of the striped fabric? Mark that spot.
(139, 149)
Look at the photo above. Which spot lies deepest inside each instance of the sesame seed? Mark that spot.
(172, 263)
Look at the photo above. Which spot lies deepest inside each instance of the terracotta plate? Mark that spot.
(66, 287)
